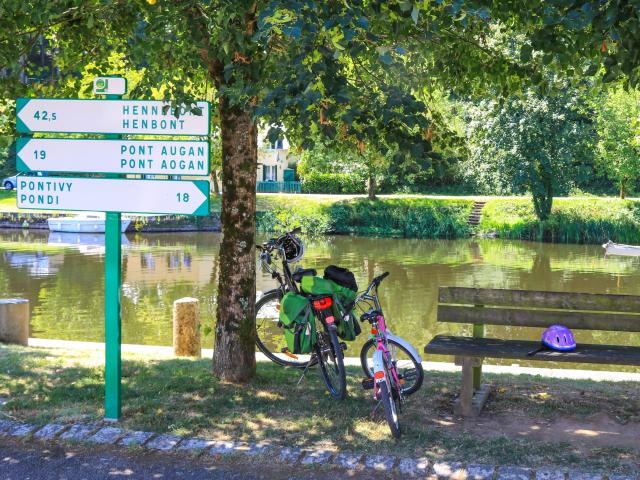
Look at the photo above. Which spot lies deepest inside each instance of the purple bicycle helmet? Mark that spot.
(559, 337)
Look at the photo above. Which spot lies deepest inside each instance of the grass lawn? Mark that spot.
(180, 396)
(8, 201)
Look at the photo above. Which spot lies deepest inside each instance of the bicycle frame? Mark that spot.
(286, 284)
(382, 356)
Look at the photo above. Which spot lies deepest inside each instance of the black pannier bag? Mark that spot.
(342, 276)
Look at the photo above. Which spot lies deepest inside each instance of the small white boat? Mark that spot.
(85, 223)
(85, 243)
(611, 248)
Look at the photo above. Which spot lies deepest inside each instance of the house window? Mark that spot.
(277, 145)
(269, 173)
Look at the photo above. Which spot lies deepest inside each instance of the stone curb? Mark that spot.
(406, 467)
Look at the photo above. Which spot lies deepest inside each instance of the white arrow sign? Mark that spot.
(148, 117)
(114, 195)
(112, 156)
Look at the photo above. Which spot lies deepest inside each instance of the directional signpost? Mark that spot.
(113, 156)
(114, 195)
(140, 117)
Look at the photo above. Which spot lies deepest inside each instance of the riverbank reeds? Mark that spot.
(587, 221)
(387, 217)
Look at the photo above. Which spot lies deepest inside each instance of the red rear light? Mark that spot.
(379, 375)
(374, 331)
(323, 303)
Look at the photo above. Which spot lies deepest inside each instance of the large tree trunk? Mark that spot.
(234, 351)
(623, 189)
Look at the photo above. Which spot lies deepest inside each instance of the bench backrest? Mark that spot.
(525, 308)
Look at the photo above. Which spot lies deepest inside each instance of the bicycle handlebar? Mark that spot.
(273, 242)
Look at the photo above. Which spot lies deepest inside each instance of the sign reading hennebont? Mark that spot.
(145, 157)
(114, 195)
(142, 117)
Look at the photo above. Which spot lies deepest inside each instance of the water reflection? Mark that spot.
(63, 278)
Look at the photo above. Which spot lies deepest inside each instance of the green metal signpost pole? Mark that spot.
(112, 326)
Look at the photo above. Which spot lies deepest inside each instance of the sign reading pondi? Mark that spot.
(114, 195)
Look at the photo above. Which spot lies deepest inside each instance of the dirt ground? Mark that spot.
(585, 434)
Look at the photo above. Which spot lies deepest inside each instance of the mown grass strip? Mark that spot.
(181, 397)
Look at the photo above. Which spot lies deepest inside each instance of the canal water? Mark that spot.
(62, 275)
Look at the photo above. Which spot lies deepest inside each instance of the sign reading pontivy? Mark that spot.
(145, 157)
(142, 117)
(114, 195)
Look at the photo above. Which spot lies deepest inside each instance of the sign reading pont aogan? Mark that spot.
(148, 117)
(113, 156)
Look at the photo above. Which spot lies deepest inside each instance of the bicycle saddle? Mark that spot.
(303, 272)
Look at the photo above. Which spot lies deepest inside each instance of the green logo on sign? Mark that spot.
(101, 85)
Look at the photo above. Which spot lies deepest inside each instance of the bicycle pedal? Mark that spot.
(343, 346)
(367, 383)
(288, 353)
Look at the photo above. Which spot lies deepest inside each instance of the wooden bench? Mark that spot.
(521, 308)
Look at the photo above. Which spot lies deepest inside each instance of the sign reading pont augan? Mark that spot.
(143, 117)
(112, 156)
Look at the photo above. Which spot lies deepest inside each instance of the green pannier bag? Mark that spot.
(299, 324)
(346, 325)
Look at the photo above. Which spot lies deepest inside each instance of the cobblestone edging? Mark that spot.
(106, 434)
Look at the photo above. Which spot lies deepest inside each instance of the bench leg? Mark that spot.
(470, 401)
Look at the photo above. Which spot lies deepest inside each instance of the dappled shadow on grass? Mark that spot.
(182, 397)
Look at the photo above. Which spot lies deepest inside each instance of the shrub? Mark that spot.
(333, 183)
(407, 217)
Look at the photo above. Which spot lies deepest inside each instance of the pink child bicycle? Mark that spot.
(394, 370)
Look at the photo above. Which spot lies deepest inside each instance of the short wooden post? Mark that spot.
(186, 327)
(14, 321)
(470, 401)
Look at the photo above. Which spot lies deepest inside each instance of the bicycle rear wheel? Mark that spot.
(269, 335)
(331, 360)
(410, 371)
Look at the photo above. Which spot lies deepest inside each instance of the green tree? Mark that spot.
(617, 113)
(531, 144)
(327, 67)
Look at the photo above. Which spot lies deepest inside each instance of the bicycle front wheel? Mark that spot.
(331, 360)
(410, 371)
(269, 335)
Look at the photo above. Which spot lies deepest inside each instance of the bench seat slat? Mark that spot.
(535, 299)
(518, 349)
(539, 318)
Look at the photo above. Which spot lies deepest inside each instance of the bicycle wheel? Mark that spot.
(331, 360)
(410, 371)
(269, 336)
(390, 405)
